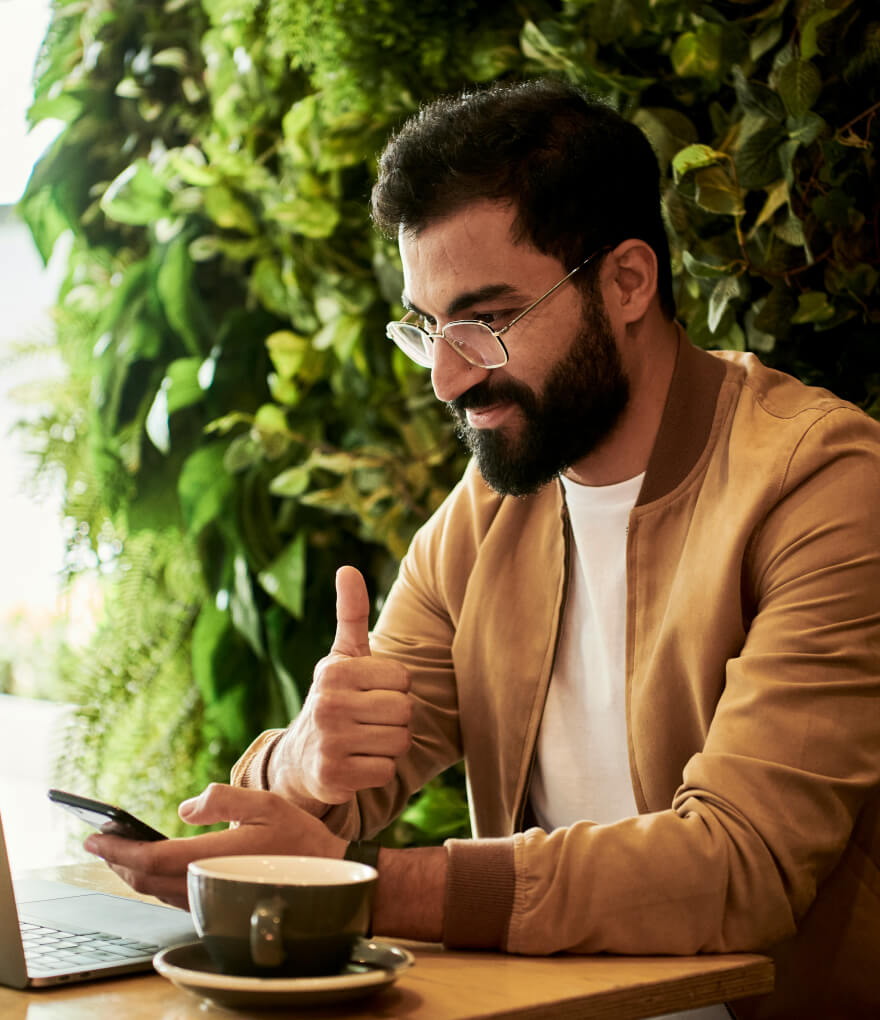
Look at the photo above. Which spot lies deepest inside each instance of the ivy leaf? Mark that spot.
(727, 288)
(813, 307)
(757, 159)
(291, 482)
(814, 21)
(805, 129)
(180, 388)
(204, 487)
(698, 54)
(536, 46)
(136, 196)
(708, 267)
(243, 607)
(227, 210)
(777, 196)
(174, 285)
(799, 83)
(716, 192)
(695, 157)
(755, 97)
(285, 578)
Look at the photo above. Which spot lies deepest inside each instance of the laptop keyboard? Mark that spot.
(49, 949)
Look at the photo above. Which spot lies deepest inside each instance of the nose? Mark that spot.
(451, 374)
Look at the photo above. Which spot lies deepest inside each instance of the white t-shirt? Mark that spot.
(582, 763)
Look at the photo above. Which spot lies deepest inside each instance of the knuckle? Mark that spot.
(385, 771)
(138, 881)
(403, 741)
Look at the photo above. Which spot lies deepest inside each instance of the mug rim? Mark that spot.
(323, 872)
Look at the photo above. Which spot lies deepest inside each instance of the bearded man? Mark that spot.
(646, 618)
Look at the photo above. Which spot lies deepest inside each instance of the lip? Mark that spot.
(487, 417)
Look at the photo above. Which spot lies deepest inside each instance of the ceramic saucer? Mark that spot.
(373, 965)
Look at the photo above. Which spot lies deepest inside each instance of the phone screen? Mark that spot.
(106, 818)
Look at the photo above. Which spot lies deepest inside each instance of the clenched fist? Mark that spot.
(355, 721)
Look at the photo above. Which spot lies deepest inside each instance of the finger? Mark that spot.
(364, 772)
(383, 708)
(352, 613)
(362, 674)
(219, 802)
(168, 889)
(168, 857)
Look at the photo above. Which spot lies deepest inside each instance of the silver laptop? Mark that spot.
(53, 933)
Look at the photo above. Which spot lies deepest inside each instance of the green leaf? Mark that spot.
(810, 28)
(180, 388)
(310, 217)
(341, 335)
(757, 98)
(696, 157)
(204, 487)
(228, 211)
(813, 307)
(291, 482)
(777, 196)
(284, 579)
(175, 287)
(710, 267)
(536, 46)
(757, 159)
(716, 192)
(287, 351)
(440, 811)
(243, 608)
(698, 54)
(799, 83)
(136, 196)
(668, 131)
(723, 292)
(805, 129)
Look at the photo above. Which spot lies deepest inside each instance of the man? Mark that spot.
(653, 635)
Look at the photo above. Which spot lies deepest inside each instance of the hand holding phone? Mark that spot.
(105, 817)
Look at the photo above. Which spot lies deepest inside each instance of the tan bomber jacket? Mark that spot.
(752, 686)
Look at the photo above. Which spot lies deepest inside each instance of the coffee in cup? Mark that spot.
(279, 915)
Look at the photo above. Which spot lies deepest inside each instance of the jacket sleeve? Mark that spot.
(766, 809)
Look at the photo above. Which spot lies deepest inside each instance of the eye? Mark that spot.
(491, 318)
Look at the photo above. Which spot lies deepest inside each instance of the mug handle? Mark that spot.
(267, 946)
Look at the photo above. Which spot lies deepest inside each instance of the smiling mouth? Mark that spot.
(488, 417)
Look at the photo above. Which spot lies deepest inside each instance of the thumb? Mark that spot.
(352, 614)
(219, 802)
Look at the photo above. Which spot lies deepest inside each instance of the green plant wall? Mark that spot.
(235, 425)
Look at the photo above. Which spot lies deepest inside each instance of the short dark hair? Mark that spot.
(579, 175)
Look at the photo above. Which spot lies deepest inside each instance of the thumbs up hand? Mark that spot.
(355, 720)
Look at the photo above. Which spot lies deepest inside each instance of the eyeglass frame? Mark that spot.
(476, 322)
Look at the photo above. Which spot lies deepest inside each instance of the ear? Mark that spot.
(632, 280)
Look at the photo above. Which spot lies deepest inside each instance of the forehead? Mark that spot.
(468, 251)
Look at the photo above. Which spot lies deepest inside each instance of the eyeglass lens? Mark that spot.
(474, 341)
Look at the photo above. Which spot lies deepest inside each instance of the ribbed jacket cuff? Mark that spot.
(480, 885)
(252, 768)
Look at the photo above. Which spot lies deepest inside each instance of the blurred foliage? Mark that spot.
(234, 425)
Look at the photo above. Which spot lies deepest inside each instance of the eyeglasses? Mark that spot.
(475, 341)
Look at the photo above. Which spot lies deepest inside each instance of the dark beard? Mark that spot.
(582, 400)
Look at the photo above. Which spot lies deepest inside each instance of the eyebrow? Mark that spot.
(471, 297)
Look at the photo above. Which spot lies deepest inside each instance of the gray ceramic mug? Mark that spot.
(291, 916)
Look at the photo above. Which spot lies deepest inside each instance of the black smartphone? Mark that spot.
(106, 817)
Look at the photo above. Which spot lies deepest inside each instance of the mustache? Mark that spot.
(485, 394)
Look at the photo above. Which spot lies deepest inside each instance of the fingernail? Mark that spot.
(187, 806)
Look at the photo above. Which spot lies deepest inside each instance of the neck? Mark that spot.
(649, 356)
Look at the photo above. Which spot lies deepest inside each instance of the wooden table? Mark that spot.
(443, 985)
